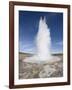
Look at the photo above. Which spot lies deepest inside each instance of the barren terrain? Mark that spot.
(39, 70)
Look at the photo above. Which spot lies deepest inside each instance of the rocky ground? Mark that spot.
(36, 70)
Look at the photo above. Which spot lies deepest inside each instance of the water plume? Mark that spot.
(43, 40)
(43, 45)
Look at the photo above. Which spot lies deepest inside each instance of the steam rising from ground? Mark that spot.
(43, 45)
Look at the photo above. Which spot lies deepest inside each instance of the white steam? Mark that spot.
(43, 45)
(43, 40)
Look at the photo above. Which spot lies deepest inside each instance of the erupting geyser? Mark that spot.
(43, 40)
(43, 45)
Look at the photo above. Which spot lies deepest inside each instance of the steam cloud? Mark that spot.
(43, 44)
(43, 40)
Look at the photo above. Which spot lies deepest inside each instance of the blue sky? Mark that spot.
(28, 28)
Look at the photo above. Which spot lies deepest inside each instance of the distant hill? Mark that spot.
(23, 55)
(57, 54)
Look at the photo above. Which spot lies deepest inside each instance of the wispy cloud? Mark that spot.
(26, 47)
(59, 43)
(57, 47)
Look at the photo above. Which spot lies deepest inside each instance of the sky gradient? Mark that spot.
(28, 28)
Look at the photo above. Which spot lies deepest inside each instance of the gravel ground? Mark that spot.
(35, 70)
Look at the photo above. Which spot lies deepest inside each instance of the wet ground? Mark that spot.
(40, 70)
